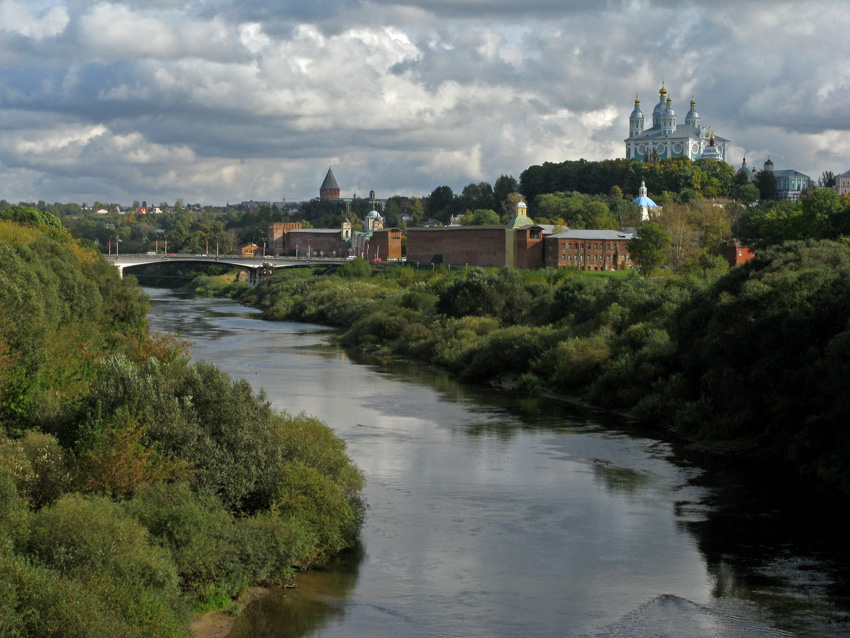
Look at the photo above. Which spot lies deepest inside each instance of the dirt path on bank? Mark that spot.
(217, 624)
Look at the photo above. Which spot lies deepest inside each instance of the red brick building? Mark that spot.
(277, 239)
(487, 246)
(291, 240)
(737, 254)
(384, 244)
(588, 249)
(457, 245)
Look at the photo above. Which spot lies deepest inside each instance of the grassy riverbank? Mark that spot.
(752, 359)
(136, 487)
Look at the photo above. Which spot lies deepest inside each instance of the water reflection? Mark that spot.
(317, 601)
(777, 545)
(497, 515)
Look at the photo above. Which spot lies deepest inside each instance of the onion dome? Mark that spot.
(768, 165)
(692, 114)
(637, 113)
(659, 108)
(669, 110)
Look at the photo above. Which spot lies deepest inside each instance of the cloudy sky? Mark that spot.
(228, 100)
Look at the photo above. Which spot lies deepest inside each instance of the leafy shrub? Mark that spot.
(92, 541)
(573, 363)
(39, 467)
(320, 504)
(200, 535)
(357, 268)
(508, 351)
(114, 459)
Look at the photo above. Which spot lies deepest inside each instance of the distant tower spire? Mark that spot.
(329, 190)
(692, 118)
(636, 119)
(658, 111)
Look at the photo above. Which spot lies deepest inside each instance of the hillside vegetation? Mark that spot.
(135, 486)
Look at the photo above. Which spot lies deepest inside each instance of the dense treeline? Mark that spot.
(753, 359)
(820, 214)
(702, 178)
(135, 486)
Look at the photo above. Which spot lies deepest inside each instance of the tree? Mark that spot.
(477, 197)
(746, 193)
(679, 223)
(649, 249)
(416, 210)
(441, 203)
(480, 218)
(503, 187)
(766, 183)
(820, 209)
(827, 180)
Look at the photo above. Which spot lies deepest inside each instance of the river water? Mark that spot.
(492, 514)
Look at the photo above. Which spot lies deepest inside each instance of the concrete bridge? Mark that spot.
(258, 267)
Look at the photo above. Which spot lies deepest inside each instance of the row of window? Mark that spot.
(581, 246)
(565, 257)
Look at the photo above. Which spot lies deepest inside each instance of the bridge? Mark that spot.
(258, 267)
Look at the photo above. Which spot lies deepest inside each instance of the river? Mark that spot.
(492, 514)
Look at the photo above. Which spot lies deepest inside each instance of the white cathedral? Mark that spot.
(668, 139)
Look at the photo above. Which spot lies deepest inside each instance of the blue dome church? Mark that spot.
(666, 138)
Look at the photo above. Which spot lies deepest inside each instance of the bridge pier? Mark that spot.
(259, 274)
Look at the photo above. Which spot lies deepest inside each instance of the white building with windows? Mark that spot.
(666, 137)
(842, 183)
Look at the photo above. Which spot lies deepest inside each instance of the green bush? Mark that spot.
(91, 540)
(200, 535)
(508, 351)
(38, 465)
(320, 503)
(357, 268)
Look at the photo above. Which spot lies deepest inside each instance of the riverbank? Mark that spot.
(218, 624)
(133, 482)
(746, 361)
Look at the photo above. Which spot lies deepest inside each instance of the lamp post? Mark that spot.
(116, 244)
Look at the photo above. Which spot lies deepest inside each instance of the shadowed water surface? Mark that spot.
(497, 515)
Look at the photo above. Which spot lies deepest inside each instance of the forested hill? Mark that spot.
(756, 359)
(134, 486)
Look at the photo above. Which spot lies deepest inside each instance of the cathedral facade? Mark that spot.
(668, 138)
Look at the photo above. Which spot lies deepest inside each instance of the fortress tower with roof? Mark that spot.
(329, 190)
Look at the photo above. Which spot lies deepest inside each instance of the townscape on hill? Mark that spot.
(576, 213)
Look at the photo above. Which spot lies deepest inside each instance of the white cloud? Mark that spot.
(217, 99)
(32, 20)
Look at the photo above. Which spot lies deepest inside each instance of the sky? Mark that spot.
(216, 101)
